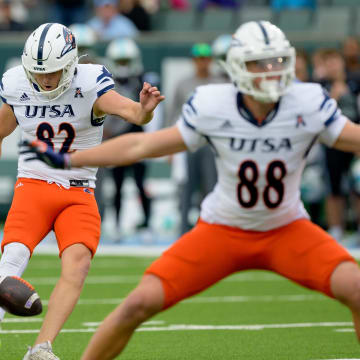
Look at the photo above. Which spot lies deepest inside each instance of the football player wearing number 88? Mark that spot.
(261, 131)
(53, 98)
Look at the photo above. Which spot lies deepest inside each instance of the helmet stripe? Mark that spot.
(41, 44)
(266, 36)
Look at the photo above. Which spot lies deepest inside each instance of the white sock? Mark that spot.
(13, 261)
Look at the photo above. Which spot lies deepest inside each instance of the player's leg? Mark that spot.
(14, 261)
(116, 330)
(188, 190)
(306, 254)
(203, 256)
(118, 174)
(139, 177)
(75, 264)
(28, 221)
(345, 286)
(77, 229)
(337, 165)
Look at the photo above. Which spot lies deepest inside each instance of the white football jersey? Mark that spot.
(66, 124)
(259, 166)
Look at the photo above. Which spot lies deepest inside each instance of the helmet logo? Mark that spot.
(70, 43)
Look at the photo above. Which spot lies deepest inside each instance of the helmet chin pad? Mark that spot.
(270, 89)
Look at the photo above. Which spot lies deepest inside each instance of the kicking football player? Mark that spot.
(53, 98)
(261, 131)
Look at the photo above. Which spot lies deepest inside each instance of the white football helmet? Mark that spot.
(220, 46)
(50, 48)
(84, 34)
(265, 45)
(126, 56)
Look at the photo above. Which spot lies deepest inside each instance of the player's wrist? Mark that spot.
(67, 161)
(146, 116)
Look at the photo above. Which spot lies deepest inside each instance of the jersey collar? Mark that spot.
(248, 116)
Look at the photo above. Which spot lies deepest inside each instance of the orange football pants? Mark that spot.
(39, 207)
(300, 251)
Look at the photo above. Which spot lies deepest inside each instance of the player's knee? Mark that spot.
(76, 265)
(346, 285)
(354, 296)
(140, 306)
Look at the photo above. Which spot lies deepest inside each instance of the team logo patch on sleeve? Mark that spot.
(300, 121)
(78, 93)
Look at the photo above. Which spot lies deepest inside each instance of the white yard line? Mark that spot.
(182, 327)
(215, 299)
(136, 250)
(22, 320)
(147, 323)
(98, 263)
(191, 327)
(129, 279)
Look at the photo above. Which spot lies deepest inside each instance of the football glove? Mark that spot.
(43, 152)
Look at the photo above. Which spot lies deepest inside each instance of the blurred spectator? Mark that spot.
(312, 181)
(351, 52)
(200, 165)
(231, 4)
(68, 11)
(278, 5)
(337, 162)
(181, 5)
(318, 65)
(7, 21)
(108, 23)
(151, 6)
(302, 65)
(134, 10)
(127, 69)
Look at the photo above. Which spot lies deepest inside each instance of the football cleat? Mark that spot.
(18, 297)
(41, 351)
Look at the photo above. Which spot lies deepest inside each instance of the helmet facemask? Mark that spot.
(64, 83)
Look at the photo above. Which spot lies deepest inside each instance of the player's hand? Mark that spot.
(43, 152)
(150, 97)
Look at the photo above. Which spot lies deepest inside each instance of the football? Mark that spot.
(18, 297)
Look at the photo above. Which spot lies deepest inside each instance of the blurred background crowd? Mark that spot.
(177, 45)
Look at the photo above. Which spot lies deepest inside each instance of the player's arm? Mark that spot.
(129, 148)
(121, 150)
(138, 113)
(349, 138)
(7, 122)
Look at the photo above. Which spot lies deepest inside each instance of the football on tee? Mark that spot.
(18, 297)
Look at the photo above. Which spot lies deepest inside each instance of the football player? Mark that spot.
(261, 128)
(54, 99)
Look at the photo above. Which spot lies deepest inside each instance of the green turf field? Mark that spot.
(251, 316)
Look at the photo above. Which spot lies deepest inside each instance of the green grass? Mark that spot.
(249, 298)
